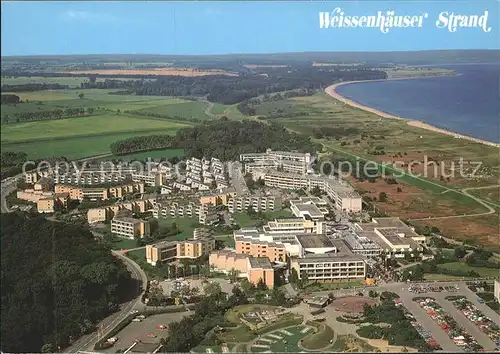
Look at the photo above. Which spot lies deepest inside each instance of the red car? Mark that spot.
(152, 335)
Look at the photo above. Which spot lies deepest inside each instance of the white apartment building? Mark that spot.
(258, 203)
(328, 268)
(130, 227)
(343, 195)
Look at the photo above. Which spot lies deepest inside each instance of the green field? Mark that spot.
(461, 266)
(71, 81)
(79, 137)
(189, 109)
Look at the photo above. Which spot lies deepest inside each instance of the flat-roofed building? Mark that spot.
(293, 225)
(314, 244)
(150, 178)
(308, 209)
(288, 161)
(130, 188)
(32, 177)
(274, 251)
(218, 197)
(343, 195)
(52, 204)
(43, 184)
(130, 227)
(106, 213)
(168, 251)
(33, 196)
(360, 242)
(496, 290)
(252, 268)
(161, 252)
(392, 235)
(78, 193)
(330, 268)
(289, 240)
(257, 203)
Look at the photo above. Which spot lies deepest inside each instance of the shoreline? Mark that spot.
(331, 91)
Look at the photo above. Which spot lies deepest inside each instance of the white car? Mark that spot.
(134, 311)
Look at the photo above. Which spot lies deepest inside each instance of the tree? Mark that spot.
(233, 275)
(316, 191)
(47, 348)
(81, 95)
(382, 197)
(459, 252)
(261, 285)
(372, 294)
(293, 278)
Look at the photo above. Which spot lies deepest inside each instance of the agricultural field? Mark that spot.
(73, 82)
(153, 155)
(186, 109)
(79, 137)
(349, 133)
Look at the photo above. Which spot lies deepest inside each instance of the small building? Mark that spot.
(496, 290)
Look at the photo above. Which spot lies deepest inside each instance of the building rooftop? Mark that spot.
(309, 209)
(392, 235)
(128, 219)
(259, 242)
(315, 200)
(333, 257)
(260, 262)
(314, 241)
(164, 244)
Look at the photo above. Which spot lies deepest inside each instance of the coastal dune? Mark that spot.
(330, 90)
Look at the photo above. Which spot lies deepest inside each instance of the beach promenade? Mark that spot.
(331, 91)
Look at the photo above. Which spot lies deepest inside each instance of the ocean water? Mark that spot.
(468, 103)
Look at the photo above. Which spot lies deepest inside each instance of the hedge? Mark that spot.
(102, 344)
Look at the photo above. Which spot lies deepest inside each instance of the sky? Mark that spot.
(128, 27)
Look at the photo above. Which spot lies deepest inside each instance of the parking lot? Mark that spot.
(144, 331)
(439, 292)
(175, 285)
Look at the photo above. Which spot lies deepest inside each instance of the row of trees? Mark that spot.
(223, 140)
(33, 87)
(47, 115)
(57, 283)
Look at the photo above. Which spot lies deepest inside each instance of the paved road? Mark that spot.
(87, 342)
(237, 179)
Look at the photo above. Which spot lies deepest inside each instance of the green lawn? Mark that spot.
(123, 243)
(483, 272)
(185, 224)
(333, 286)
(320, 339)
(245, 220)
(239, 335)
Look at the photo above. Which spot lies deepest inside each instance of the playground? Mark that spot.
(352, 304)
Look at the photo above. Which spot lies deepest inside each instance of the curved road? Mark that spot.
(87, 342)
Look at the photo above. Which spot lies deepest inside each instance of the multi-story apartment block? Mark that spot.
(253, 268)
(328, 268)
(103, 193)
(130, 227)
(218, 197)
(106, 213)
(257, 203)
(32, 195)
(287, 161)
(343, 195)
(294, 226)
(32, 177)
(169, 251)
(274, 251)
(150, 178)
(206, 213)
(44, 184)
(52, 204)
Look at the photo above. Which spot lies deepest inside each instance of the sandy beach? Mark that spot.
(330, 90)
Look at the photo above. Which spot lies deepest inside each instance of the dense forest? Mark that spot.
(57, 282)
(223, 140)
(220, 88)
(11, 163)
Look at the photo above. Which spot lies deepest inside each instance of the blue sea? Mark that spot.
(468, 103)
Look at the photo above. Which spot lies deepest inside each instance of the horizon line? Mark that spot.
(258, 53)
